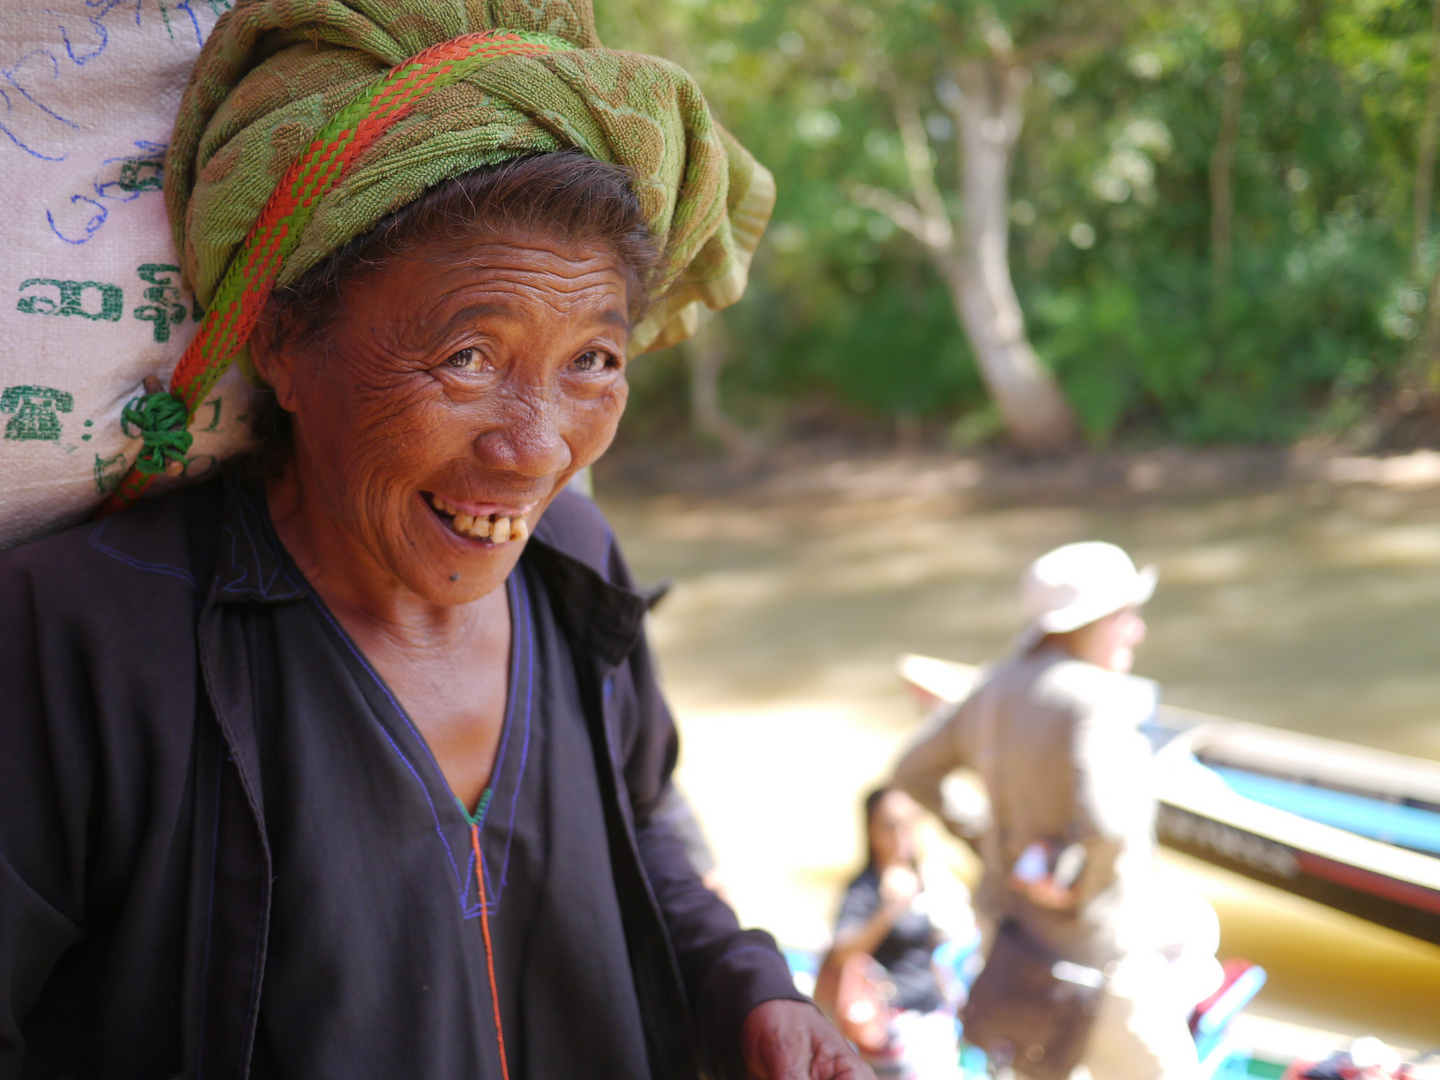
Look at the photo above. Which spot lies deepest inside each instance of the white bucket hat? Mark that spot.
(1076, 584)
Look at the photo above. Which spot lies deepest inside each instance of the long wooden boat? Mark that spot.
(1354, 828)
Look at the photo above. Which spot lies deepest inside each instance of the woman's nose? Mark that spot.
(527, 438)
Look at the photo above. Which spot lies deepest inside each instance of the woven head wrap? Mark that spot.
(308, 121)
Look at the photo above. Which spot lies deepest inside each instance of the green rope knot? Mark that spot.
(160, 419)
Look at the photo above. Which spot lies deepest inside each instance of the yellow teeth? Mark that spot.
(476, 528)
(499, 530)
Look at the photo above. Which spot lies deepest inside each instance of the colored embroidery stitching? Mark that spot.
(478, 818)
(523, 590)
(139, 564)
(489, 950)
(524, 639)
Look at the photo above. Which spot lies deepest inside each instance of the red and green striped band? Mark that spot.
(246, 287)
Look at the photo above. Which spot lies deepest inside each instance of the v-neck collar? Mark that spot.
(405, 740)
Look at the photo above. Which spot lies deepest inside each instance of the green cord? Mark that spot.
(160, 419)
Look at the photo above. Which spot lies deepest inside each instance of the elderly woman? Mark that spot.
(345, 766)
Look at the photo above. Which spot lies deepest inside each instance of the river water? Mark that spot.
(1309, 607)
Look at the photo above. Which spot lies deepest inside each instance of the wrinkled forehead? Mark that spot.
(441, 287)
(537, 262)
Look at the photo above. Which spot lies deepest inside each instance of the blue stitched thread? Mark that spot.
(516, 645)
(235, 584)
(138, 564)
(529, 623)
(463, 885)
(279, 556)
(462, 882)
(259, 540)
(246, 524)
(523, 639)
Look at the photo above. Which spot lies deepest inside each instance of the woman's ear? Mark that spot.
(273, 360)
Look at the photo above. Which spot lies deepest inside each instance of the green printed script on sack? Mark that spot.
(97, 301)
(36, 412)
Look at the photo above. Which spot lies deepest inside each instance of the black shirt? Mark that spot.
(177, 878)
(905, 952)
(370, 847)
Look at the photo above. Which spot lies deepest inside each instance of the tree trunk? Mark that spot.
(989, 111)
(1425, 156)
(1429, 366)
(708, 351)
(1222, 165)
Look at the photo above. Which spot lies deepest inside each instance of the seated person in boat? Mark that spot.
(1068, 847)
(346, 766)
(880, 977)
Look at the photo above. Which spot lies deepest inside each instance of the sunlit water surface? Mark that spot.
(1312, 608)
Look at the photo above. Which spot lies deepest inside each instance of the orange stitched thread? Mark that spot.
(489, 952)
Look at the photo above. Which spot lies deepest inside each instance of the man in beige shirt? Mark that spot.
(1053, 732)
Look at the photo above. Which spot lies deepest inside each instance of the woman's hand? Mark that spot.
(1049, 894)
(899, 885)
(791, 1040)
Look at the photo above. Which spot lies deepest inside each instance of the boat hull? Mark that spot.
(1400, 905)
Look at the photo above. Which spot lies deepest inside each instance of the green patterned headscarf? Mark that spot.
(308, 121)
(273, 72)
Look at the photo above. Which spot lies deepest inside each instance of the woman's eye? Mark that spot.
(464, 360)
(593, 360)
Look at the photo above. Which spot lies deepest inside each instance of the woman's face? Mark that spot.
(894, 830)
(463, 385)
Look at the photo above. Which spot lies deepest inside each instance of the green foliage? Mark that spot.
(1111, 248)
(1133, 324)
(887, 343)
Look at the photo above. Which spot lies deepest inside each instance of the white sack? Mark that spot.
(90, 297)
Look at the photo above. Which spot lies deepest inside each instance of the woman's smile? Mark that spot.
(486, 523)
(463, 387)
